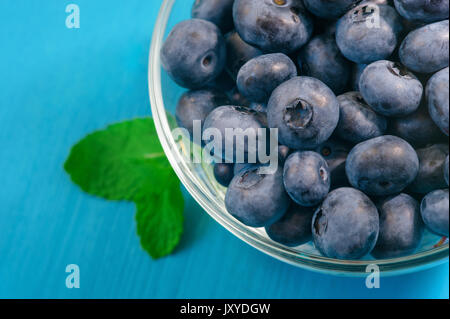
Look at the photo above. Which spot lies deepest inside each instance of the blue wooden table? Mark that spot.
(58, 84)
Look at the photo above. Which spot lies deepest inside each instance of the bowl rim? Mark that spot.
(400, 265)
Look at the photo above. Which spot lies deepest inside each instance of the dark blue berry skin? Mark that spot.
(273, 27)
(248, 201)
(434, 209)
(437, 95)
(196, 105)
(239, 167)
(335, 152)
(283, 153)
(363, 42)
(431, 166)
(346, 225)
(446, 168)
(357, 121)
(382, 166)
(238, 53)
(385, 2)
(305, 111)
(222, 83)
(306, 178)
(425, 50)
(219, 12)
(294, 228)
(237, 98)
(423, 10)
(418, 129)
(258, 107)
(321, 59)
(234, 117)
(357, 70)
(410, 25)
(390, 89)
(194, 53)
(401, 227)
(260, 76)
(329, 9)
(224, 173)
(324, 26)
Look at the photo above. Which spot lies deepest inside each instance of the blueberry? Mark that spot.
(434, 209)
(423, 10)
(233, 117)
(273, 25)
(222, 83)
(219, 12)
(425, 50)
(324, 27)
(437, 94)
(224, 173)
(382, 166)
(446, 168)
(359, 37)
(239, 167)
(418, 128)
(335, 152)
(390, 89)
(321, 59)
(329, 9)
(401, 227)
(283, 153)
(238, 53)
(409, 26)
(305, 111)
(258, 107)
(385, 2)
(294, 228)
(346, 225)
(431, 166)
(306, 178)
(248, 201)
(194, 53)
(237, 98)
(196, 105)
(260, 76)
(357, 121)
(357, 70)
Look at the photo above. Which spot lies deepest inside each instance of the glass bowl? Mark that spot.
(199, 180)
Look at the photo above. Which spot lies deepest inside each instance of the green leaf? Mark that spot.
(159, 234)
(125, 161)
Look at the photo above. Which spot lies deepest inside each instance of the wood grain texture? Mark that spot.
(58, 85)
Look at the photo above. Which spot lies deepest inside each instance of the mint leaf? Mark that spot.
(158, 232)
(125, 161)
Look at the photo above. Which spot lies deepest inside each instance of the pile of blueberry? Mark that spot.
(359, 93)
